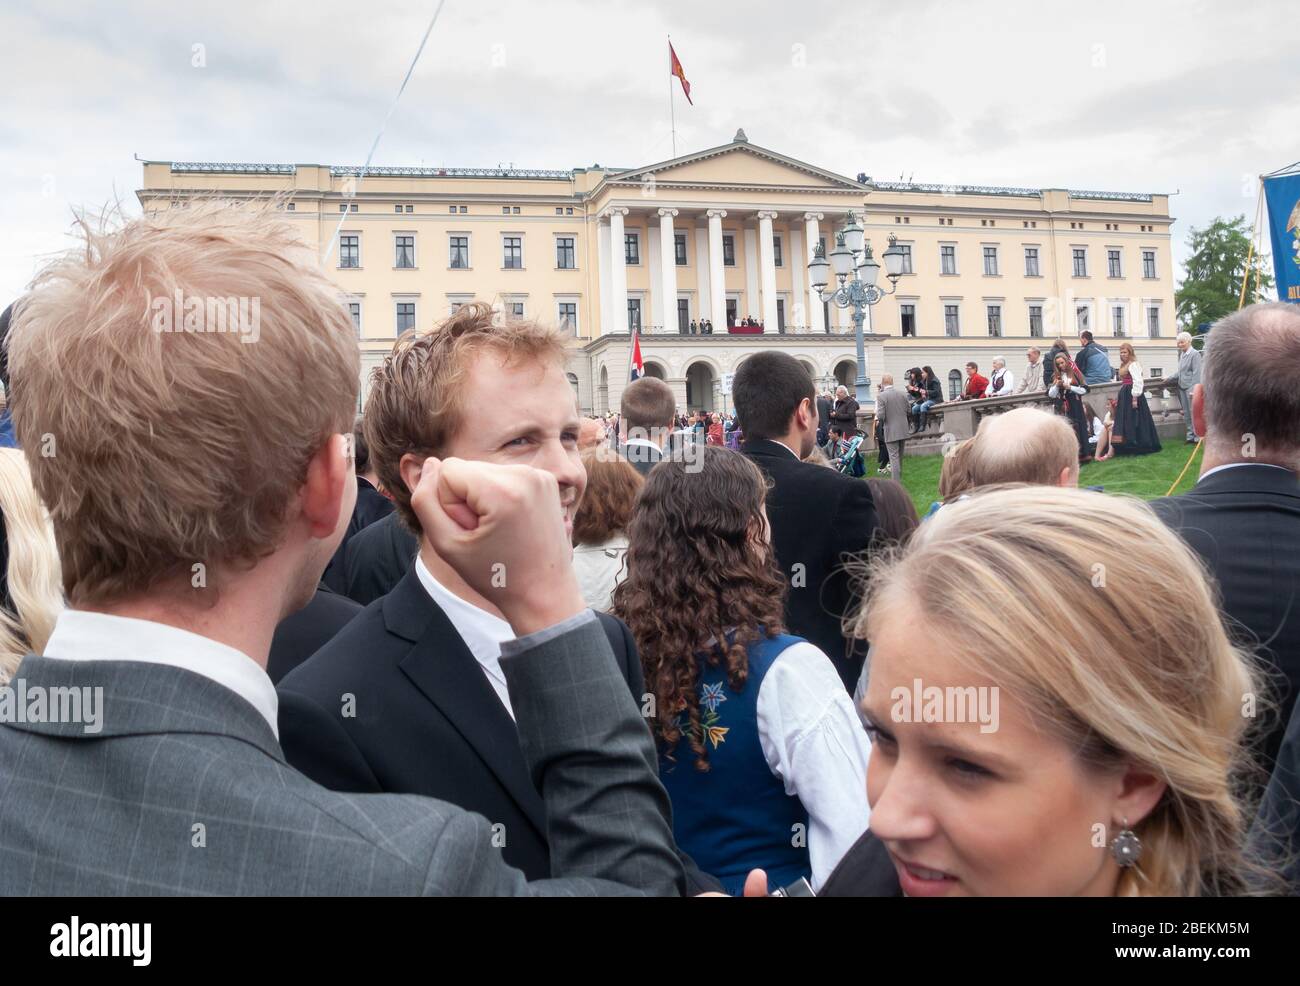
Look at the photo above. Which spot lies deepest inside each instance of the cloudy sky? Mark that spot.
(1189, 97)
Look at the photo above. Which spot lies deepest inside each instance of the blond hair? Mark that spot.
(1139, 670)
(416, 395)
(32, 575)
(157, 447)
(954, 474)
(1024, 445)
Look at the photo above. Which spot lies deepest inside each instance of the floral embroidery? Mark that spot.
(711, 696)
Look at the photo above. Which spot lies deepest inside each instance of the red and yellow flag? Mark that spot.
(677, 70)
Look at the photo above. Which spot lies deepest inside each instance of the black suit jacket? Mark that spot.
(819, 518)
(1245, 523)
(426, 720)
(1277, 829)
(643, 457)
(377, 557)
(301, 635)
(371, 507)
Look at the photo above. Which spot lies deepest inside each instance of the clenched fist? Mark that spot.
(502, 529)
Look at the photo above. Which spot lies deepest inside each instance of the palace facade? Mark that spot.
(721, 235)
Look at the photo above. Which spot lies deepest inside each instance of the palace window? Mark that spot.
(513, 250)
(1036, 321)
(459, 259)
(947, 260)
(1080, 255)
(1149, 264)
(728, 250)
(950, 323)
(679, 249)
(907, 314)
(990, 261)
(567, 312)
(405, 316)
(350, 250)
(995, 321)
(632, 248)
(405, 259)
(564, 253)
(1113, 264)
(1031, 262)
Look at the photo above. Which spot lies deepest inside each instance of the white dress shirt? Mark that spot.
(80, 635)
(483, 632)
(814, 742)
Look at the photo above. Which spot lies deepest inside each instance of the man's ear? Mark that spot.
(409, 468)
(324, 491)
(1198, 409)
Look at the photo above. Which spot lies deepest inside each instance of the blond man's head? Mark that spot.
(157, 439)
(1025, 445)
(417, 400)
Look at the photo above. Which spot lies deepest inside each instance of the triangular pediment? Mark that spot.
(739, 163)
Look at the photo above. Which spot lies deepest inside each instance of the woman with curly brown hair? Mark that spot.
(760, 748)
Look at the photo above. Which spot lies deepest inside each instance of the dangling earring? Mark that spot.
(1126, 847)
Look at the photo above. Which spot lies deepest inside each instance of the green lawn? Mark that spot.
(1146, 476)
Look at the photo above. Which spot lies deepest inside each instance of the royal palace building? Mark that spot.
(722, 235)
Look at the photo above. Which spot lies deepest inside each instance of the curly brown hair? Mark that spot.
(698, 564)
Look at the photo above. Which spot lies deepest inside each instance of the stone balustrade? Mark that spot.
(955, 421)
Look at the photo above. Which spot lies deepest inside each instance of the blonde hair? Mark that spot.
(954, 474)
(1024, 445)
(157, 447)
(415, 403)
(34, 588)
(1139, 670)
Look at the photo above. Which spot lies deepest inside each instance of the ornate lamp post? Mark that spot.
(856, 271)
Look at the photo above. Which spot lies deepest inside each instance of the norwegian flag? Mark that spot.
(638, 367)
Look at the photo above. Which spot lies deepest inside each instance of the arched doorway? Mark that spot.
(701, 382)
(655, 370)
(602, 392)
(846, 371)
(573, 382)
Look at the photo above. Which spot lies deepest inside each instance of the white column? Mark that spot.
(752, 305)
(654, 255)
(767, 258)
(702, 274)
(817, 319)
(617, 270)
(602, 259)
(717, 281)
(668, 268)
(798, 314)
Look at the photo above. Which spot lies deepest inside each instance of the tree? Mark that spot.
(1212, 286)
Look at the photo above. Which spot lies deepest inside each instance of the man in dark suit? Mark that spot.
(820, 518)
(1243, 515)
(410, 698)
(647, 408)
(302, 634)
(824, 405)
(162, 772)
(377, 558)
(371, 506)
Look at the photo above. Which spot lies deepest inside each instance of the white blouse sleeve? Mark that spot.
(1135, 371)
(1053, 391)
(814, 742)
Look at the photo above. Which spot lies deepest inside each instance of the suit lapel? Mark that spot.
(443, 670)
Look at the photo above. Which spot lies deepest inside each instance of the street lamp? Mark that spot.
(857, 272)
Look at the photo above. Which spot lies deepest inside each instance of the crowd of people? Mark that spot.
(443, 650)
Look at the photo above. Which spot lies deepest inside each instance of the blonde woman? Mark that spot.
(1097, 757)
(32, 593)
(1134, 430)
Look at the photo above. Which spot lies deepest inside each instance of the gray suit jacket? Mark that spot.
(1189, 368)
(185, 791)
(892, 409)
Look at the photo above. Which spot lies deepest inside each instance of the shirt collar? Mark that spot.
(640, 441)
(483, 632)
(1237, 465)
(80, 635)
(777, 441)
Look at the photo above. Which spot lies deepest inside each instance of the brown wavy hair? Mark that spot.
(606, 507)
(698, 564)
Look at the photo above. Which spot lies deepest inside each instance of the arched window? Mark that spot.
(954, 384)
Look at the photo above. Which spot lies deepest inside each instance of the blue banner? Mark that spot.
(1282, 195)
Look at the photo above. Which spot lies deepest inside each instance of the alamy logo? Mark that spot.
(200, 313)
(23, 703)
(934, 704)
(75, 940)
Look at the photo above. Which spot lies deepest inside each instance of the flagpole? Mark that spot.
(672, 102)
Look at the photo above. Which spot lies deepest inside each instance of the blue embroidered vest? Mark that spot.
(736, 816)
